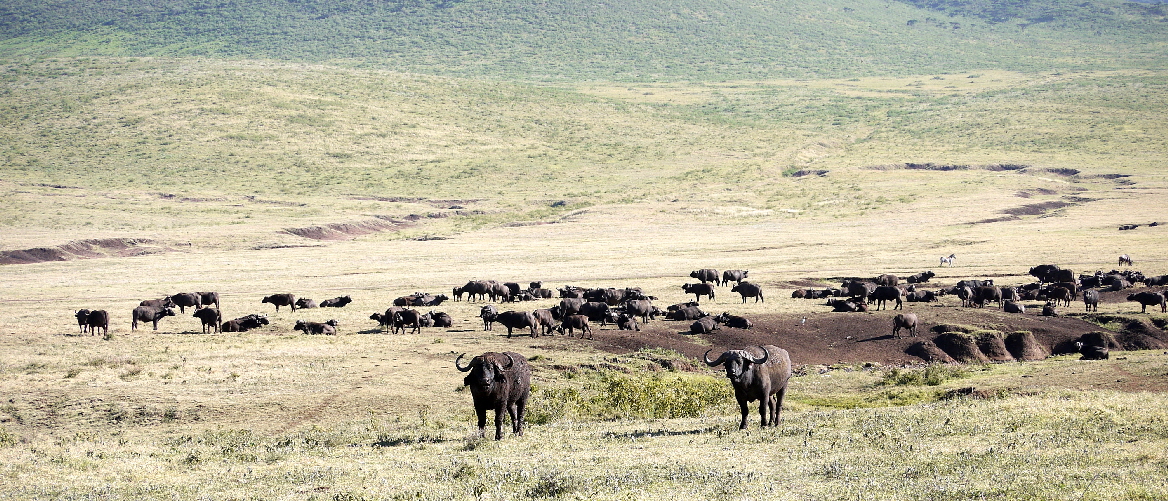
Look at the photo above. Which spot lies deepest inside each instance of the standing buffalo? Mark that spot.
(641, 308)
(498, 381)
(734, 276)
(281, 300)
(888, 280)
(149, 314)
(747, 289)
(208, 298)
(1091, 299)
(185, 299)
(82, 320)
(987, 293)
(488, 313)
(572, 323)
(546, 320)
(209, 317)
(699, 290)
(1147, 299)
(757, 373)
(1052, 273)
(98, 319)
(906, 321)
(518, 320)
(407, 317)
(706, 275)
(885, 293)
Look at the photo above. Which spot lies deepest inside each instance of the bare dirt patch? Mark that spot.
(82, 249)
(346, 231)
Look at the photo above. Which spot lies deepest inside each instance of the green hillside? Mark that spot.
(578, 40)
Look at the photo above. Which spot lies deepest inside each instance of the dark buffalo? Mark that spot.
(1013, 307)
(210, 318)
(82, 320)
(518, 320)
(441, 319)
(572, 323)
(641, 308)
(281, 300)
(885, 293)
(858, 288)
(747, 289)
(757, 373)
(475, 289)
(457, 292)
(705, 275)
(488, 313)
(98, 319)
(704, 325)
(734, 321)
(1091, 300)
(328, 328)
(498, 381)
(1092, 351)
(906, 321)
(1052, 273)
(539, 293)
(149, 314)
(699, 290)
(849, 305)
(571, 305)
(209, 298)
(336, 302)
(185, 299)
(546, 320)
(626, 322)
(407, 318)
(305, 303)
(733, 276)
(159, 303)
(1049, 310)
(988, 293)
(887, 280)
(1156, 281)
(920, 278)
(245, 323)
(498, 292)
(596, 311)
(920, 296)
(1060, 295)
(687, 313)
(965, 293)
(1147, 299)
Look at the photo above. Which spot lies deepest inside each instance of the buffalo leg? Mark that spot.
(521, 412)
(777, 416)
(482, 415)
(744, 406)
(764, 405)
(499, 422)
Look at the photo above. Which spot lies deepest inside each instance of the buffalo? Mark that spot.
(98, 319)
(209, 317)
(488, 313)
(987, 293)
(149, 314)
(185, 299)
(1147, 299)
(305, 303)
(245, 323)
(887, 280)
(1052, 273)
(699, 290)
(626, 322)
(706, 275)
(734, 276)
(907, 321)
(641, 308)
(1091, 300)
(159, 303)
(572, 323)
(704, 325)
(1013, 307)
(82, 320)
(407, 317)
(734, 321)
(546, 320)
(327, 328)
(1092, 351)
(498, 381)
(281, 300)
(518, 320)
(747, 289)
(757, 373)
(336, 302)
(687, 313)
(441, 319)
(1060, 295)
(208, 298)
(920, 278)
(596, 311)
(885, 293)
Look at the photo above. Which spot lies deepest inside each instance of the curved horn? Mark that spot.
(510, 361)
(459, 367)
(715, 363)
(766, 355)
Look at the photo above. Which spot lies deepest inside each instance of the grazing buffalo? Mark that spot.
(747, 289)
(498, 381)
(626, 322)
(305, 303)
(245, 323)
(149, 314)
(572, 323)
(704, 325)
(1091, 300)
(327, 328)
(734, 321)
(281, 300)
(920, 278)
(185, 299)
(98, 319)
(518, 320)
(82, 320)
(546, 320)
(988, 293)
(1060, 295)
(641, 308)
(1125, 260)
(706, 275)
(733, 276)
(208, 298)
(336, 302)
(596, 311)
(699, 290)
(757, 373)
(1013, 307)
(210, 318)
(885, 293)
(906, 321)
(407, 318)
(1147, 299)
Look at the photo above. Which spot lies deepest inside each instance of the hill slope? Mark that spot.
(574, 39)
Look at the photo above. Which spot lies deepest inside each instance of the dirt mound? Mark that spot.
(929, 352)
(961, 347)
(346, 231)
(80, 249)
(993, 347)
(1023, 346)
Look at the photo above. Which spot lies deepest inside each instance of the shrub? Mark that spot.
(931, 375)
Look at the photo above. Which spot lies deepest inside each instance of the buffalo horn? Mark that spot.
(765, 356)
(510, 361)
(459, 367)
(706, 358)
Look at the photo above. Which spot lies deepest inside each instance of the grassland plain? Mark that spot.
(199, 160)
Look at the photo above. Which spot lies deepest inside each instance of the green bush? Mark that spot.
(932, 375)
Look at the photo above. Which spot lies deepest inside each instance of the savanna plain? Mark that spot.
(126, 179)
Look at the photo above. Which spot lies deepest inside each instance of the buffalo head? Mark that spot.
(738, 363)
(485, 370)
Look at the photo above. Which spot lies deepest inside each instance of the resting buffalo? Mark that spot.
(626, 322)
(327, 328)
(281, 300)
(1049, 310)
(305, 303)
(848, 305)
(149, 314)
(885, 293)
(1092, 352)
(498, 381)
(687, 313)
(518, 320)
(920, 296)
(1013, 307)
(904, 321)
(734, 321)
(705, 275)
(336, 302)
(1156, 281)
(920, 278)
(98, 319)
(733, 276)
(1091, 300)
(441, 319)
(757, 373)
(704, 325)
(185, 299)
(210, 318)
(1147, 299)
(572, 323)
(747, 289)
(699, 290)
(242, 324)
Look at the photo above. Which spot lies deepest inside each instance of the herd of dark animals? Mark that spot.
(502, 381)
